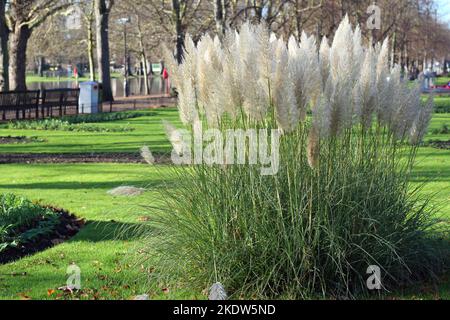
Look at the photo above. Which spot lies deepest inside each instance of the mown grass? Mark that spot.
(36, 78)
(442, 80)
(101, 248)
(147, 130)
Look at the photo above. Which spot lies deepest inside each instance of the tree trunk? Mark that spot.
(90, 41)
(179, 30)
(4, 55)
(102, 21)
(40, 65)
(219, 12)
(18, 58)
(143, 56)
(146, 78)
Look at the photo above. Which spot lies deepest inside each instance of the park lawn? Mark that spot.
(102, 247)
(36, 78)
(148, 131)
(442, 80)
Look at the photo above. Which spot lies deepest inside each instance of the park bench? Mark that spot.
(60, 99)
(20, 103)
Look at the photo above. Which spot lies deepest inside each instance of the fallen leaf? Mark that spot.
(24, 296)
(50, 292)
(66, 289)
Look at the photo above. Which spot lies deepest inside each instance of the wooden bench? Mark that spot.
(19, 102)
(61, 100)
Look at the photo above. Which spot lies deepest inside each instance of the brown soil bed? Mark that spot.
(69, 225)
(79, 158)
(444, 145)
(17, 140)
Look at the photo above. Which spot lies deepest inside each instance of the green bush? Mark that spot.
(62, 125)
(22, 221)
(442, 104)
(444, 129)
(104, 117)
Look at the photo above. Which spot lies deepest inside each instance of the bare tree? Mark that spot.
(182, 17)
(88, 12)
(22, 18)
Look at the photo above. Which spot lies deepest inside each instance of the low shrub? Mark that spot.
(104, 117)
(22, 221)
(442, 105)
(444, 129)
(62, 125)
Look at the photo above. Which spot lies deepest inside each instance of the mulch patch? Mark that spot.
(444, 145)
(69, 225)
(17, 140)
(79, 158)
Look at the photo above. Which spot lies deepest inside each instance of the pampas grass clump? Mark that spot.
(341, 201)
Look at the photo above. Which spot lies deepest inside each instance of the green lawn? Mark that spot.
(442, 80)
(35, 78)
(101, 248)
(148, 130)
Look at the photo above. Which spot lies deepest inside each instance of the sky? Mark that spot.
(444, 10)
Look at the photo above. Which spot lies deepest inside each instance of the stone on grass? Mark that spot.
(126, 191)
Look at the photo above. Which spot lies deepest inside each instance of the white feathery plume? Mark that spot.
(305, 72)
(256, 101)
(383, 60)
(210, 79)
(175, 137)
(253, 70)
(324, 60)
(321, 116)
(386, 85)
(358, 50)
(147, 155)
(341, 52)
(365, 90)
(407, 107)
(421, 122)
(184, 78)
(284, 98)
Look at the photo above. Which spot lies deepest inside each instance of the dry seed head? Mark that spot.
(313, 148)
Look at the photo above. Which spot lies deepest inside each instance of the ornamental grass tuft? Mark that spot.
(341, 201)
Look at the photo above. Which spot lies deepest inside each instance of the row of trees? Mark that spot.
(416, 32)
(20, 18)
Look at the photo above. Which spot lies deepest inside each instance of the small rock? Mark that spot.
(142, 297)
(126, 191)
